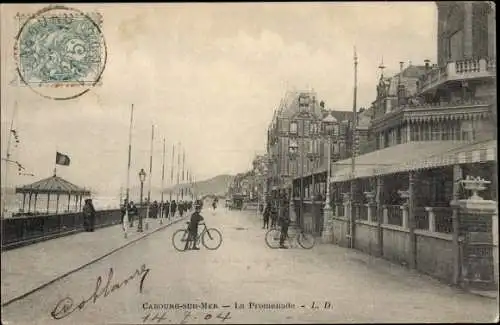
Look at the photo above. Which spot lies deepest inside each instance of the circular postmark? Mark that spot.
(60, 52)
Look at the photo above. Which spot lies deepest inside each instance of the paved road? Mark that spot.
(356, 287)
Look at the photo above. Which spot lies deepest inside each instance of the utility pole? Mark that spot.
(172, 171)
(353, 154)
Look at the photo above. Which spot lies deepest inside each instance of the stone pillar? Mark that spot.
(411, 219)
(404, 223)
(478, 217)
(457, 176)
(370, 196)
(468, 48)
(431, 219)
(381, 217)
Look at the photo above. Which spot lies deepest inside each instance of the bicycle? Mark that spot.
(211, 238)
(304, 239)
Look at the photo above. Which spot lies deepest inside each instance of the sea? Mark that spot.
(14, 204)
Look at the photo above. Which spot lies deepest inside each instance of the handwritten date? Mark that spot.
(161, 317)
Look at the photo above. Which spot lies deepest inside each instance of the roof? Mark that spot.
(413, 156)
(53, 184)
(477, 152)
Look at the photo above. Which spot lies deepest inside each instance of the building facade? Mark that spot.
(296, 145)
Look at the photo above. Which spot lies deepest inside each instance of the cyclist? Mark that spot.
(193, 227)
(284, 223)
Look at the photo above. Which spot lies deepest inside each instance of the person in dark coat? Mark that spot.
(173, 208)
(196, 218)
(123, 209)
(274, 214)
(132, 213)
(284, 223)
(166, 209)
(181, 208)
(153, 210)
(266, 214)
(88, 215)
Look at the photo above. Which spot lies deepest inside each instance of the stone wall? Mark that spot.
(434, 254)
(366, 237)
(396, 244)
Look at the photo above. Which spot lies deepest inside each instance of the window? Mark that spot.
(455, 46)
(293, 127)
(306, 128)
(314, 129)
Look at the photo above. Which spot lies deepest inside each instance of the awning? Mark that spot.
(465, 154)
(413, 156)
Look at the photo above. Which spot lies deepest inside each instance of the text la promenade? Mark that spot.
(206, 305)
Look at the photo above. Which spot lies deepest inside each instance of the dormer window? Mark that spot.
(293, 127)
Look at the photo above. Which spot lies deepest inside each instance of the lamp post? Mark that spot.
(330, 126)
(142, 178)
(293, 151)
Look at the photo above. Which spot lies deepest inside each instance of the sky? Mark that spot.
(208, 76)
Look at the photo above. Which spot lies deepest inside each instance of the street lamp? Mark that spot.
(330, 129)
(293, 152)
(142, 178)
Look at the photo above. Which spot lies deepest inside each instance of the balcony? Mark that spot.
(458, 70)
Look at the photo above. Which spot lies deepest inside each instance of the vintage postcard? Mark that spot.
(265, 163)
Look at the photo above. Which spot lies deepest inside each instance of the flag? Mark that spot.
(62, 159)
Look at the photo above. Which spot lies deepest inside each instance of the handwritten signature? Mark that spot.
(66, 306)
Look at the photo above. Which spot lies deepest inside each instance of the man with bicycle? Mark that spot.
(284, 220)
(193, 227)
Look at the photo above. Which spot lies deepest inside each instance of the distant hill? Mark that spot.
(217, 185)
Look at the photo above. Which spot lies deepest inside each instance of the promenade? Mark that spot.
(243, 274)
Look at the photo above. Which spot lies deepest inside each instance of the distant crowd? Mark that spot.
(167, 209)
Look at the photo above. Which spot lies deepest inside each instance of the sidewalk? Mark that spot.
(27, 268)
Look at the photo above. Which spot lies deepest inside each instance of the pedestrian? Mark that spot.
(173, 208)
(196, 217)
(266, 214)
(166, 209)
(123, 209)
(274, 214)
(88, 215)
(181, 208)
(132, 213)
(153, 210)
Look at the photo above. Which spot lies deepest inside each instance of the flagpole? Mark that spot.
(150, 174)
(127, 191)
(7, 162)
(178, 165)
(183, 162)
(172, 171)
(162, 182)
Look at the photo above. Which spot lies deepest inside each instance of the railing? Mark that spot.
(421, 219)
(25, 230)
(363, 212)
(442, 104)
(459, 70)
(395, 215)
(444, 219)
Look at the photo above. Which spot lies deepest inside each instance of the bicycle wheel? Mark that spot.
(179, 239)
(211, 239)
(273, 238)
(305, 240)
